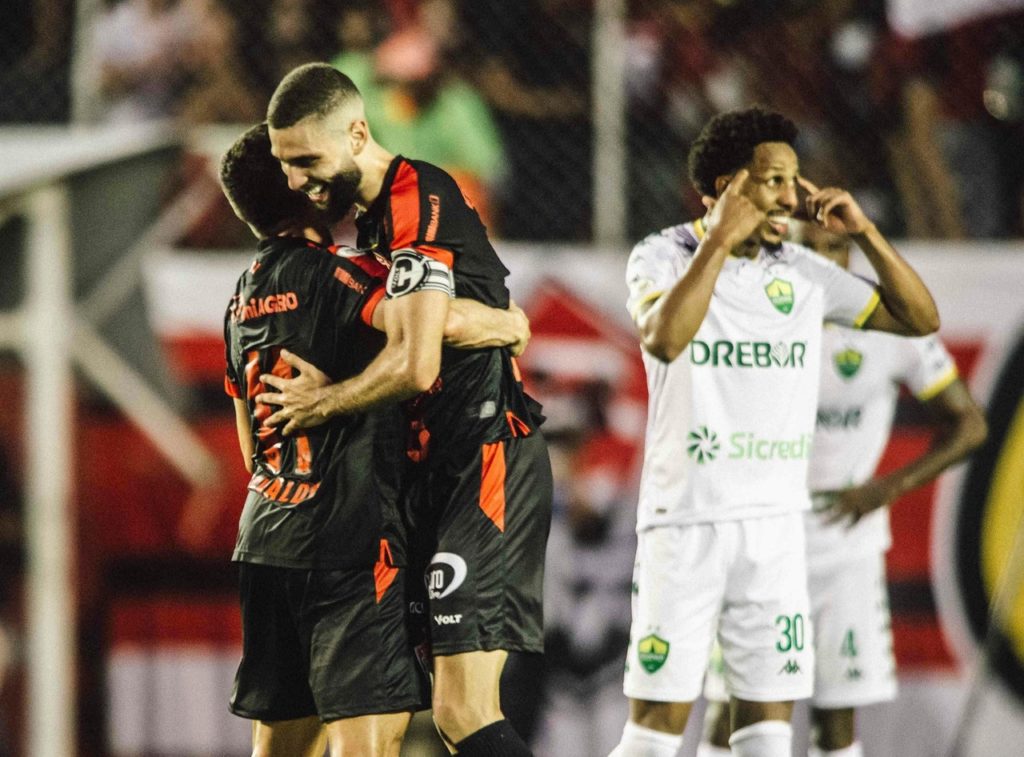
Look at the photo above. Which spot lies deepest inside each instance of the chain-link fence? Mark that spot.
(570, 119)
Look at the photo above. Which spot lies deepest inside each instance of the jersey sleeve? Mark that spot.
(654, 266)
(849, 299)
(418, 211)
(929, 368)
(358, 284)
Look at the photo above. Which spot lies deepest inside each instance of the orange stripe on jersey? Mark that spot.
(384, 571)
(516, 424)
(405, 207)
(231, 388)
(371, 305)
(492, 483)
(516, 373)
(437, 253)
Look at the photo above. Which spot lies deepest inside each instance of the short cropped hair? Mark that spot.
(313, 89)
(727, 142)
(257, 187)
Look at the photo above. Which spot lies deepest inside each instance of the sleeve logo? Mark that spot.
(408, 272)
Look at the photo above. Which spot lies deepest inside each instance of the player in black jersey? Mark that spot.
(474, 434)
(320, 544)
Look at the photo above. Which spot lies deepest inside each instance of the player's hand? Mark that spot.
(850, 505)
(734, 217)
(522, 329)
(300, 398)
(834, 209)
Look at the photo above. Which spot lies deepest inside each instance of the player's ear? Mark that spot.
(721, 183)
(358, 135)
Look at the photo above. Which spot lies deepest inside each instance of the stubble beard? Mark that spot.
(343, 191)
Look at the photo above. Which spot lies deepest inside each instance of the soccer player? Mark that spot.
(730, 319)
(319, 542)
(848, 531)
(474, 434)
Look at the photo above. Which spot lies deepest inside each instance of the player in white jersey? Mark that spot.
(848, 532)
(730, 319)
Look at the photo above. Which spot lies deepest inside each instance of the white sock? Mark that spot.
(704, 749)
(638, 741)
(854, 750)
(768, 738)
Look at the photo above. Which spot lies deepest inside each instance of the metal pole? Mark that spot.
(52, 634)
(608, 95)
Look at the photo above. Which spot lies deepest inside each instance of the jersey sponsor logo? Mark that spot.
(448, 620)
(445, 575)
(748, 354)
(847, 362)
(435, 217)
(748, 446)
(702, 445)
(839, 418)
(257, 307)
(780, 293)
(652, 652)
(346, 278)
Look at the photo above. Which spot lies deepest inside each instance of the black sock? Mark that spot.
(494, 740)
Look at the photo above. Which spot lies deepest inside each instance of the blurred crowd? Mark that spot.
(925, 131)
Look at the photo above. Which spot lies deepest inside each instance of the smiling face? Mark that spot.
(318, 155)
(772, 188)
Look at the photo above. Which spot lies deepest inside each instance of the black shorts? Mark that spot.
(488, 528)
(332, 643)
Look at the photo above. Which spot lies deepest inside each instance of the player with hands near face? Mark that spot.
(730, 317)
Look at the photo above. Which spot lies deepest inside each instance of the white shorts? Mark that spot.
(744, 579)
(853, 634)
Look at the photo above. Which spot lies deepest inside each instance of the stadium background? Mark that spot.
(568, 122)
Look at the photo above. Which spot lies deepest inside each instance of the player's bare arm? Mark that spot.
(906, 305)
(473, 325)
(309, 398)
(407, 365)
(242, 425)
(961, 428)
(669, 323)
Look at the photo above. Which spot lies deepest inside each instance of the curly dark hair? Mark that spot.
(312, 89)
(727, 142)
(256, 186)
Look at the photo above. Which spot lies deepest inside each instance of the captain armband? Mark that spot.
(413, 271)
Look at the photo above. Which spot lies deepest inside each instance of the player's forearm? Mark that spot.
(671, 323)
(963, 437)
(901, 289)
(390, 377)
(473, 325)
(408, 364)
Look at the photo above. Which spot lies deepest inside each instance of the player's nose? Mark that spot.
(788, 199)
(296, 178)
